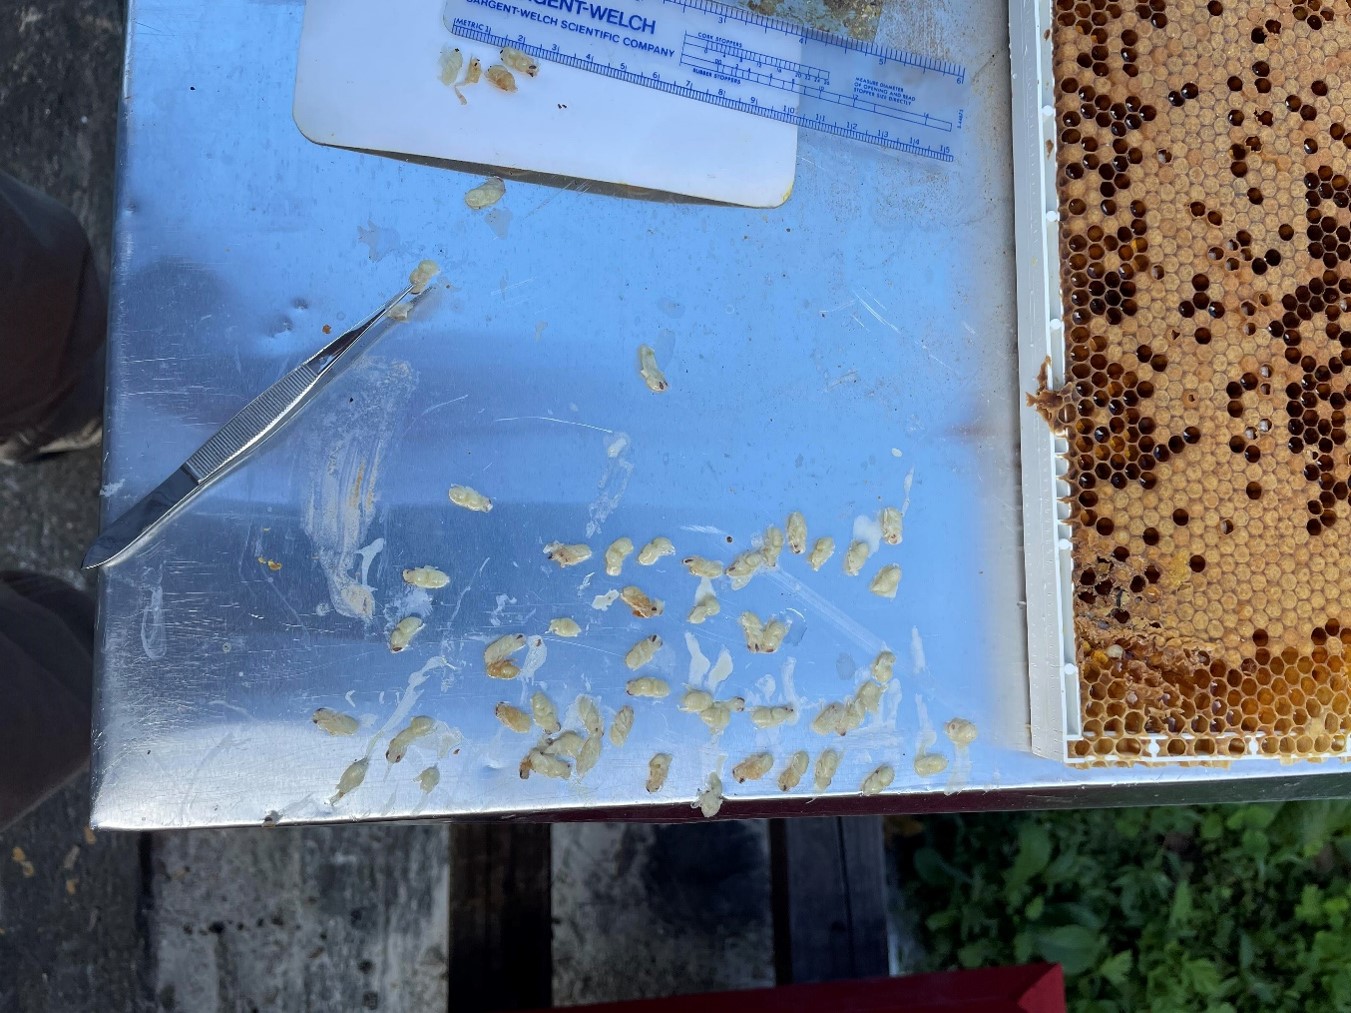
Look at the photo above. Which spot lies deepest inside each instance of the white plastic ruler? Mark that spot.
(734, 58)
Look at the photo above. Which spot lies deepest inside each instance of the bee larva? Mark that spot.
(417, 728)
(736, 704)
(701, 567)
(642, 652)
(650, 371)
(567, 555)
(568, 743)
(335, 722)
(753, 767)
(470, 499)
(564, 627)
(473, 71)
(853, 716)
(500, 78)
(855, 558)
(886, 581)
(648, 686)
(826, 765)
(705, 608)
(709, 801)
(513, 717)
(517, 60)
(891, 521)
(451, 61)
(829, 719)
(772, 717)
(543, 711)
(425, 576)
(619, 550)
(429, 779)
(930, 764)
(588, 755)
(717, 715)
(744, 567)
(696, 700)
(486, 194)
(351, 780)
(762, 638)
(621, 726)
(542, 763)
(399, 312)
(772, 547)
(791, 775)
(657, 769)
(869, 696)
(961, 731)
(821, 552)
(640, 604)
(878, 781)
(655, 550)
(883, 666)
(797, 533)
(497, 656)
(590, 715)
(423, 274)
(403, 633)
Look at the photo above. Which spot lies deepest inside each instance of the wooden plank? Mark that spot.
(500, 920)
(829, 876)
(330, 917)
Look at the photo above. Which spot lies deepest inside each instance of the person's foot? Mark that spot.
(76, 423)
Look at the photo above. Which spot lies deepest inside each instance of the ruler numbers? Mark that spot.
(741, 60)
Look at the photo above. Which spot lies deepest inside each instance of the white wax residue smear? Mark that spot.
(535, 655)
(917, 660)
(699, 664)
(614, 480)
(153, 639)
(869, 531)
(603, 601)
(722, 668)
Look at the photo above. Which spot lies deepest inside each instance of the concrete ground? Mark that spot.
(305, 918)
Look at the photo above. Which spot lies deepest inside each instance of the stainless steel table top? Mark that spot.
(831, 356)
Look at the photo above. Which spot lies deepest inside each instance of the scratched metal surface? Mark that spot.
(818, 355)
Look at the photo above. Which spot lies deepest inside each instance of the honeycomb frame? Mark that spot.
(1202, 155)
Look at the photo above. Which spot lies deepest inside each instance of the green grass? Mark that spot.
(1217, 908)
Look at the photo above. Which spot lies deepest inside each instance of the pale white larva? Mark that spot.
(416, 729)
(930, 764)
(886, 581)
(513, 717)
(567, 555)
(855, 557)
(772, 717)
(470, 499)
(500, 78)
(590, 715)
(423, 274)
(797, 533)
(517, 60)
(642, 652)
(772, 547)
(829, 719)
(403, 633)
(710, 800)
(588, 755)
(650, 371)
(640, 604)
(878, 781)
(821, 552)
(619, 550)
(826, 765)
(869, 696)
(961, 731)
(450, 62)
(648, 686)
(335, 722)
(621, 726)
(657, 769)
(716, 715)
(429, 778)
(744, 567)
(655, 550)
(497, 656)
(753, 767)
(543, 763)
(426, 576)
(701, 567)
(891, 521)
(791, 775)
(564, 627)
(566, 743)
(695, 700)
(883, 666)
(705, 608)
(544, 712)
(351, 780)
